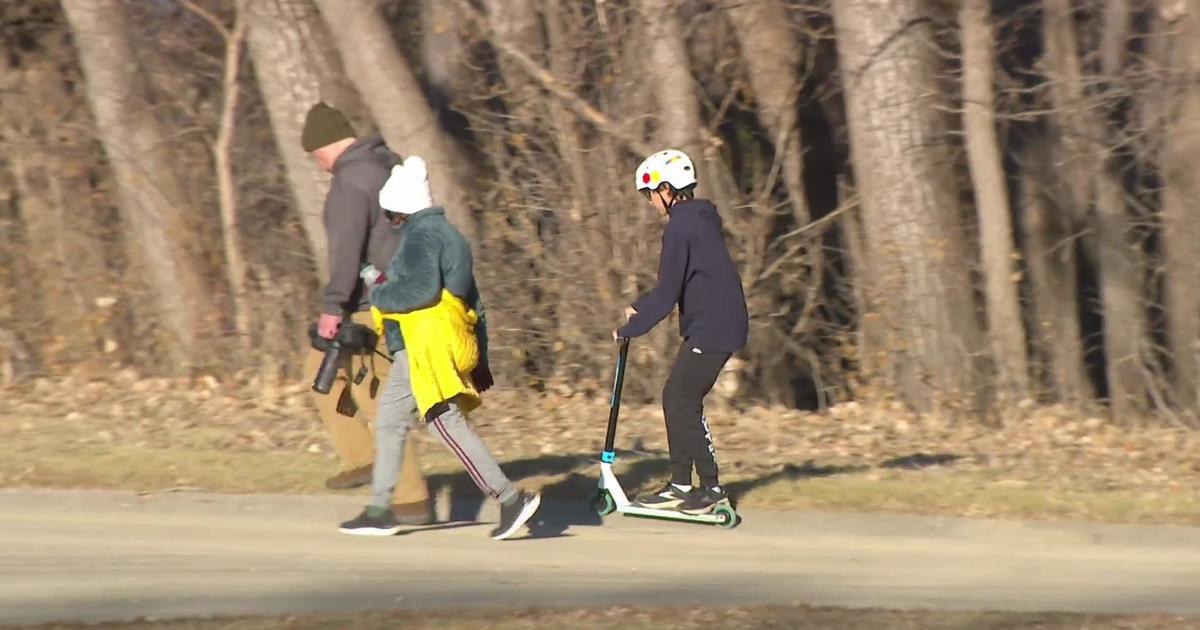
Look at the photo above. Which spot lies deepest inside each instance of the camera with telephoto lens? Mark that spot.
(351, 339)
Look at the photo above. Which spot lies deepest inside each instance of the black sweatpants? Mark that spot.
(688, 437)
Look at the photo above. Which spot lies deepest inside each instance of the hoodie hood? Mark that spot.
(369, 149)
(702, 209)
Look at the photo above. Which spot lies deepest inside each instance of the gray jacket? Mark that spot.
(354, 224)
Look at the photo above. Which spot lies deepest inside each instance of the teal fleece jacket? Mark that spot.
(432, 255)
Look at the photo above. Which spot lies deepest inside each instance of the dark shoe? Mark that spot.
(417, 513)
(364, 524)
(704, 501)
(516, 513)
(349, 479)
(668, 497)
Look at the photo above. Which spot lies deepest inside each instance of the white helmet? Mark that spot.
(671, 166)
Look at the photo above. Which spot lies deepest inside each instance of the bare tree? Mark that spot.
(1181, 226)
(777, 65)
(152, 199)
(517, 23)
(922, 332)
(1049, 245)
(49, 159)
(1087, 141)
(297, 64)
(773, 56)
(444, 54)
(580, 240)
(1117, 22)
(1005, 327)
(678, 113)
(222, 151)
(397, 103)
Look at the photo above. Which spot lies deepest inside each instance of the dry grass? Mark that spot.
(154, 435)
(44, 459)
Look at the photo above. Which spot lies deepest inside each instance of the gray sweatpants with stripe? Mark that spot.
(397, 414)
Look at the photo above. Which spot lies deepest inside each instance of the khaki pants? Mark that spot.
(351, 436)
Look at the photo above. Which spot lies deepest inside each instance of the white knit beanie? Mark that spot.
(407, 190)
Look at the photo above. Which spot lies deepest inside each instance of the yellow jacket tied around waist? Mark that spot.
(442, 351)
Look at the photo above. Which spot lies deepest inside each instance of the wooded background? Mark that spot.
(955, 205)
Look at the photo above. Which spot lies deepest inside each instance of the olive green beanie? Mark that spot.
(323, 126)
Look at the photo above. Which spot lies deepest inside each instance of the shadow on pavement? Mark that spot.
(566, 501)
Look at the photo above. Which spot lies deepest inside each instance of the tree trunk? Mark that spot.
(1121, 281)
(1050, 253)
(17, 360)
(1114, 36)
(773, 56)
(917, 286)
(1181, 224)
(54, 191)
(296, 62)
(516, 22)
(151, 198)
(572, 250)
(670, 77)
(397, 102)
(443, 54)
(1005, 330)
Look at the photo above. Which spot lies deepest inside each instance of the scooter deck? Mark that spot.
(669, 515)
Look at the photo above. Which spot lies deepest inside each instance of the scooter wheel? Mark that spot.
(727, 518)
(603, 503)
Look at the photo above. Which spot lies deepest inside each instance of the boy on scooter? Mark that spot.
(696, 273)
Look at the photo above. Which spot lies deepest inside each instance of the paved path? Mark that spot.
(96, 556)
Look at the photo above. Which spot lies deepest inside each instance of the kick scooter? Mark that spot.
(611, 498)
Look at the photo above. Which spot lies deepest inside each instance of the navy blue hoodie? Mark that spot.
(695, 272)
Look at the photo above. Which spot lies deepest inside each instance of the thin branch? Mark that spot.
(820, 224)
(207, 16)
(573, 101)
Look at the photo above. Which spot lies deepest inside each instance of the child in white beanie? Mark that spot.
(433, 258)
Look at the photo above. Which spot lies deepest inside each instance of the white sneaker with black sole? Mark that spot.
(704, 501)
(516, 513)
(384, 524)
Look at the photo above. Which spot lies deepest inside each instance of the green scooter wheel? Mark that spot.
(727, 518)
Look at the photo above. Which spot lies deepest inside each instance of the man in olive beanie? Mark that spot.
(358, 234)
(324, 126)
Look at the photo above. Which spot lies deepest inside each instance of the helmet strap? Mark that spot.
(674, 198)
(658, 193)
